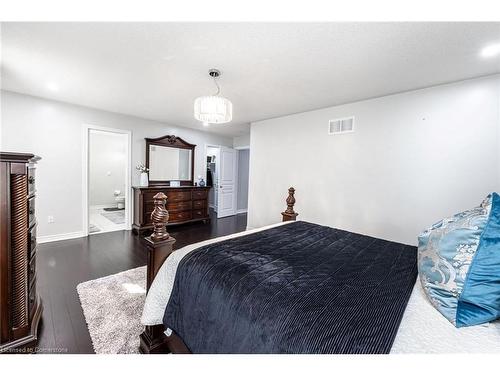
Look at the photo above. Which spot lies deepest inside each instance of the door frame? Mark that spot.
(86, 128)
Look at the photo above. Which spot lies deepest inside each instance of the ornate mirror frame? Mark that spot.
(174, 142)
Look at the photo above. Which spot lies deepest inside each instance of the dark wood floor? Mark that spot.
(62, 265)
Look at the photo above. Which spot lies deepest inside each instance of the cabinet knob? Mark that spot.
(31, 179)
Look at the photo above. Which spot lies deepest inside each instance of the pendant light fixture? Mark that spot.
(213, 109)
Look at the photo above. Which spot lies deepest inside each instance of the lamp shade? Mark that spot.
(213, 109)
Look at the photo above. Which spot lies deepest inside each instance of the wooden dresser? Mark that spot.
(184, 204)
(20, 305)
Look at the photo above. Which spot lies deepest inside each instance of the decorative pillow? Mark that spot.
(459, 264)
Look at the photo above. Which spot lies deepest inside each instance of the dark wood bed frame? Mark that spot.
(159, 246)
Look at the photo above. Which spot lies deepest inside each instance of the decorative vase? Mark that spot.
(144, 179)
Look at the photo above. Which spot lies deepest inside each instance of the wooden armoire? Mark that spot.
(20, 305)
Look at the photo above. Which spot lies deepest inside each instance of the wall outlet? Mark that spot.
(50, 219)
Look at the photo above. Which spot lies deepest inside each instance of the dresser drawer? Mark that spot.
(31, 208)
(179, 216)
(171, 206)
(149, 206)
(199, 214)
(198, 204)
(179, 206)
(172, 196)
(178, 196)
(32, 300)
(148, 195)
(31, 181)
(32, 241)
(147, 218)
(200, 194)
(32, 271)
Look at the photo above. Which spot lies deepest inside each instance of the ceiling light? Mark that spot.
(213, 109)
(491, 50)
(51, 86)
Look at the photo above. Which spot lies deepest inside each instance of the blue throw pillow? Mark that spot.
(459, 264)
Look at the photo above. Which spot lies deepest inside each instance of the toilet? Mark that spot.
(119, 199)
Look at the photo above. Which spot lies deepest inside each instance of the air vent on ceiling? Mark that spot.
(341, 125)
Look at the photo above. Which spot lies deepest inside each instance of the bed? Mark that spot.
(294, 287)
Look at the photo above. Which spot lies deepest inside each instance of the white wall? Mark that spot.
(53, 130)
(241, 141)
(414, 158)
(243, 171)
(107, 167)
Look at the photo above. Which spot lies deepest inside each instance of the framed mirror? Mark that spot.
(170, 158)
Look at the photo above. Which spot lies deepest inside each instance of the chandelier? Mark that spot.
(213, 109)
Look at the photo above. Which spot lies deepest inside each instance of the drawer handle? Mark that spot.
(32, 211)
(31, 179)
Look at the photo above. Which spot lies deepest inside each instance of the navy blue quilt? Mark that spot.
(297, 288)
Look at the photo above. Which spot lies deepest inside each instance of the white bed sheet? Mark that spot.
(423, 329)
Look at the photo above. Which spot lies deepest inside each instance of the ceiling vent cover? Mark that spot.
(341, 125)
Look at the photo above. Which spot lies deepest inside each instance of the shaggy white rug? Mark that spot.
(112, 306)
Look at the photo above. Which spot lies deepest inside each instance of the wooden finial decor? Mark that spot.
(159, 246)
(289, 213)
(159, 217)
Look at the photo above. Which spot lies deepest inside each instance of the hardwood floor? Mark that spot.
(62, 265)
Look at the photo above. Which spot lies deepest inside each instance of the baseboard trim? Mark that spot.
(242, 211)
(60, 237)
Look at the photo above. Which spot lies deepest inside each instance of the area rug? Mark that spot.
(112, 307)
(111, 209)
(117, 217)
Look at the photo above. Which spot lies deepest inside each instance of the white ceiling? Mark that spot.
(156, 70)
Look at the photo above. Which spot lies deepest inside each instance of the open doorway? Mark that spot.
(108, 172)
(212, 175)
(228, 177)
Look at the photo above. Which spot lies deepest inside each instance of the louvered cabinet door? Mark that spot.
(20, 307)
(19, 254)
(4, 253)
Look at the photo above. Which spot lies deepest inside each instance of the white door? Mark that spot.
(226, 197)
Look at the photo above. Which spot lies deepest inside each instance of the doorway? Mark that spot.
(227, 174)
(212, 175)
(107, 206)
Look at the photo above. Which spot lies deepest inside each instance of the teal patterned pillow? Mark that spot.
(459, 264)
